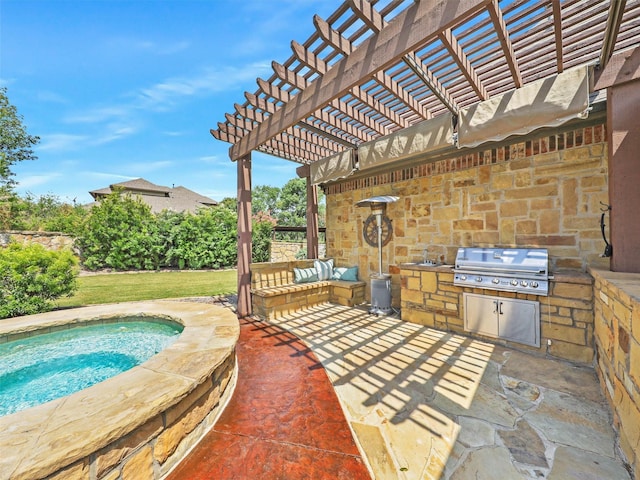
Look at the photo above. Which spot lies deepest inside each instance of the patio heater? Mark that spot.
(377, 232)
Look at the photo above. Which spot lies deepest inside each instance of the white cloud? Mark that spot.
(149, 167)
(208, 81)
(114, 132)
(212, 159)
(106, 177)
(99, 114)
(61, 141)
(50, 97)
(129, 44)
(31, 181)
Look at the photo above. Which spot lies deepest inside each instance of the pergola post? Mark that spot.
(244, 236)
(621, 77)
(312, 212)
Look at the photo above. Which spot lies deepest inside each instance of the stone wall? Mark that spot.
(50, 240)
(537, 192)
(617, 340)
(288, 251)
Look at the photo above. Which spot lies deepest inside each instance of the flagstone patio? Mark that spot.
(426, 404)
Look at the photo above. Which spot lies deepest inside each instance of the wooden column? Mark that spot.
(312, 212)
(621, 77)
(244, 236)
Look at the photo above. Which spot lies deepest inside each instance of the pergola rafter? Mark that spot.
(376, 66)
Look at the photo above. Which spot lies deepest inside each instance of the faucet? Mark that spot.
(424, 256)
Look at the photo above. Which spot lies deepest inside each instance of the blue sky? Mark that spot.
(121, 89)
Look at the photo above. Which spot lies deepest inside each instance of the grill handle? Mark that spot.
(497, 270)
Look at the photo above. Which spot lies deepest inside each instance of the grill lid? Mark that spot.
(504, 261)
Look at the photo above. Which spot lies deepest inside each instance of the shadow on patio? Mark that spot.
(426, 404)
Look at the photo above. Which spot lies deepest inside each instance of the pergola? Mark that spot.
(378, 66)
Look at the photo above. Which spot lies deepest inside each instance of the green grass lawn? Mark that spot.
(126, 287)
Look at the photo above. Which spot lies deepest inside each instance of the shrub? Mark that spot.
(31, 277)
(261, 237)
(205, 240)
(121, 233)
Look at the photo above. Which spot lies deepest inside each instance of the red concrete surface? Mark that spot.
(283, 422)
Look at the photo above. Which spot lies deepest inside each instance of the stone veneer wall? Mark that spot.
(536, 192)
(50, 240)
(617, 339)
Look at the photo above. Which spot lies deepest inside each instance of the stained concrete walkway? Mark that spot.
(282, 422)
(426, 404)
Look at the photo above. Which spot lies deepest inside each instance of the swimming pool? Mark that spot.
(44, 367)
(138, 424)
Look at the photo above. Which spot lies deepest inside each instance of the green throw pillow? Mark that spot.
(305, 275)
(324, 268)
(347, 274)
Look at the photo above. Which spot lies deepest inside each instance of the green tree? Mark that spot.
(292, 204)
(205, 240)
(264, 199)
(15, 143)
(121, 233)
(229, 203)
(46, 213)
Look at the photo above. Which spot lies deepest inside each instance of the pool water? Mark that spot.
(44, 367)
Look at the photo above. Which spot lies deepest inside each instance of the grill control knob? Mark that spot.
(534, 285)
(478, 279)
(463, 277)
(524, 283)
(514, 282)
(496, 281)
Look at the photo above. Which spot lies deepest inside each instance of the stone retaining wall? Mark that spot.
(288, 251)
(617, 341)
(50, 240)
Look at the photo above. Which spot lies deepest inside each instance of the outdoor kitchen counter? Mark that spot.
(617, 340)
(429, 297)
(426, 267)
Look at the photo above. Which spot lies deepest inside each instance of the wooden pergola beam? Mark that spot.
(235, 129)
(346, 47)
(318, 65)
(455, 50)
(614, 19)
(557, 30)
(374, 20)
(507, 48)
(409, 30)
(271, 108)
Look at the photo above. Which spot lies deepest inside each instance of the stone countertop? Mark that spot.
(560, 275)
(628, 283)
(426, 267)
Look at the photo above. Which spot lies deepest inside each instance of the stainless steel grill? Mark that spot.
(523, 270)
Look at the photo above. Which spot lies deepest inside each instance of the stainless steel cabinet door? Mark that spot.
(506, 318)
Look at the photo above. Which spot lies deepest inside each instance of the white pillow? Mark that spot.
(324, 268)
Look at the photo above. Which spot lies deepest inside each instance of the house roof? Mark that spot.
(158, 197)
(374, 67)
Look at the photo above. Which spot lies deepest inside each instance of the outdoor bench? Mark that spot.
(274, 293)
